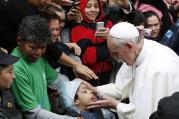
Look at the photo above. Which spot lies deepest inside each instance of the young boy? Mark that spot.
(76, 97)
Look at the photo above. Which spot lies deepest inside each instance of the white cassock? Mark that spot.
(155, 75)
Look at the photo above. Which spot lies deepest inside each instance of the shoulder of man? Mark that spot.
(167, 108)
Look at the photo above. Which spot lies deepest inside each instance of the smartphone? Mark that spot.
(99, 25)
(147, 32)
(75, 3)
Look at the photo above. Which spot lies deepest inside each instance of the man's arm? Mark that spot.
(39, 113)
(80, 69)
(56, 54)
(125, 5)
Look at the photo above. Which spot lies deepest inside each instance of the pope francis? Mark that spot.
(150, 71)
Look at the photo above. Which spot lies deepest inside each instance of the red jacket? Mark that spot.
(95, 53)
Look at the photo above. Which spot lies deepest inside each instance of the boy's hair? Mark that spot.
(68, 90)
(34, 29)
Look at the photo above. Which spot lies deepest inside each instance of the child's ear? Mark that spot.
(18, 39)
(76, 102)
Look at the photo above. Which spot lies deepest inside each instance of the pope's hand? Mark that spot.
(104, 102)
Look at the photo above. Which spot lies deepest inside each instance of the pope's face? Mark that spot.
(122, 53)
(116, 52)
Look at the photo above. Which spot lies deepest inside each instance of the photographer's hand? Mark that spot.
(102, 32)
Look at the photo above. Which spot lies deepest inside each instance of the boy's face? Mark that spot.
(85, 96)
(6, 77)
(32, 51)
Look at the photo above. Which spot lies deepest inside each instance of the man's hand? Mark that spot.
(75, 14)
(80, 69)
(63, 2)
(58, 10)
(104, 102)
(84, 72)
(122, 3)
(77, 49)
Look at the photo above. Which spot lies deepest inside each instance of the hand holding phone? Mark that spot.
(74, 13)
(99, 25)
(101, 31)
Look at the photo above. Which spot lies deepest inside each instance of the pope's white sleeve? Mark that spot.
(125, 111)
(115, 91)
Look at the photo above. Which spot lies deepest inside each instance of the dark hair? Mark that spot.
(136, 17)
(34, 29)
(149, 14)
(50, 15)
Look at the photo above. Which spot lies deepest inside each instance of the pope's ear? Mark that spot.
(129, 45)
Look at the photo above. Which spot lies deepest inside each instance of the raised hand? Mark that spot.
(75, 14)
(122, 3)
(84, 72)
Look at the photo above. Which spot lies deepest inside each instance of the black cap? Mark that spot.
(6, 59)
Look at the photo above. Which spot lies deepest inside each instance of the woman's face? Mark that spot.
(154, 24)
(92, 10)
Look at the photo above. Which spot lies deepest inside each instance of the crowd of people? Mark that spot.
(89, 59)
